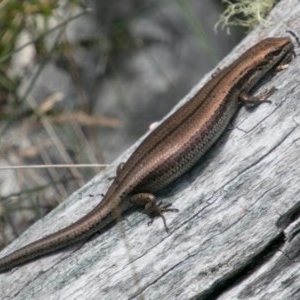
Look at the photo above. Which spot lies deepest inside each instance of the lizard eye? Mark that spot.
(274, 54)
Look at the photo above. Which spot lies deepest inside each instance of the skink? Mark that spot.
(173, 147)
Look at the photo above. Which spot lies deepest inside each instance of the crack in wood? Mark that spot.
(235, 277)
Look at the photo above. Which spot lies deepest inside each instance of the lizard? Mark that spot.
(173, 147)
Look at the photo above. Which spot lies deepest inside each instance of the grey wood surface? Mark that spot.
(235, 236)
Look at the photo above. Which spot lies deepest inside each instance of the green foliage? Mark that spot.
(15, 15)
(245, 13)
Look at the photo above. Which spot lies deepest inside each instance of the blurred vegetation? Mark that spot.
(35, 18)
(15, 16)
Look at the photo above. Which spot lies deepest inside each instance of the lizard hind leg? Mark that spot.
(152, 209)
